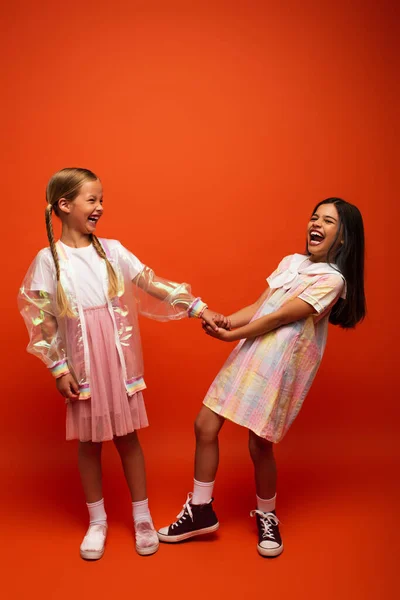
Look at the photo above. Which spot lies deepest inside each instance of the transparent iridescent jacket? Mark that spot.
(52, 337)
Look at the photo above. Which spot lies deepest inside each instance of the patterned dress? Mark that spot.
(263, 383)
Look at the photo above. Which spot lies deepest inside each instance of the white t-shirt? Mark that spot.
(86, 265)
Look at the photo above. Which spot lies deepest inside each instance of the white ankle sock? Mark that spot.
(97, 514)
(202, 492)
(141, 511)
(266, 505)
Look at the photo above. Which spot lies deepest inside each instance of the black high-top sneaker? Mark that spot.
(193, 520)
(269, 538)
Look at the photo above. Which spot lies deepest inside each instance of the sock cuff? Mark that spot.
(203, 483)
(141, 503)
(95, 504)
(266, 499)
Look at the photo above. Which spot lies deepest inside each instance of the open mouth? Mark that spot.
(316, 238)
(93, 219)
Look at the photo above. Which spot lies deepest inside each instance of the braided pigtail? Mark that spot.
(113, 286)
(61, 298)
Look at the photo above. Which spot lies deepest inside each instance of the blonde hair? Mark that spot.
(66, 184)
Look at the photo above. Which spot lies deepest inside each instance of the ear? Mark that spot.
(64, 205)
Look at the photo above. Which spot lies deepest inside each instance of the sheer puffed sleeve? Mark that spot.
(36, 302)
(159, 298)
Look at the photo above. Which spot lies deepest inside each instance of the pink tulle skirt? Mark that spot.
(110, 411)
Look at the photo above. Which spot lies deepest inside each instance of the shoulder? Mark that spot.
(111, 245)
(334, 280)
(121, 254)
(42, 272)
(329, 283)
(331, 273)
(113, 248)
(44, 253)
(44, 258)
(282, 266)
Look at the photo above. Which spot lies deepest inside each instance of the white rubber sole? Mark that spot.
(92, 554)
(147, 551)
(270, 552)
(171, 539)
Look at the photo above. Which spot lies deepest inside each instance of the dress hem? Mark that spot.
(232, 420)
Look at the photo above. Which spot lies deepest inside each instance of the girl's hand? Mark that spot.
(215, 320)
(222, 321)
(68, 387)
(219, 334)
(208, 316)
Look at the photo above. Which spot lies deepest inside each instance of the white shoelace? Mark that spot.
(267, 521)
(186, 510)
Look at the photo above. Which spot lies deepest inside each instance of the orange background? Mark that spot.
(215, 128)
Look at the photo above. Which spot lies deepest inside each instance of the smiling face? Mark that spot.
(84, 211)
(322, 233)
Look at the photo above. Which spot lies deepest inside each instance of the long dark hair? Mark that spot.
(349, 259)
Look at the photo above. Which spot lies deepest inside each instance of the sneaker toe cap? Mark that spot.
(269, 545)
(164, 530)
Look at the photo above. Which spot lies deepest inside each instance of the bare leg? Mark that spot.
(207, 427)
(130, 452)
(198, 516)
(89, 462)
(262, 455)
(132, 459)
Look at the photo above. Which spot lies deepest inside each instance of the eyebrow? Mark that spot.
(325, 217)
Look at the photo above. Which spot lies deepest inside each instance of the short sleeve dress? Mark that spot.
(265, 380)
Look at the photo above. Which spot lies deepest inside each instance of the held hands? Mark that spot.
(216, 325)
(68, 387)
(224, 335)
(215, 320)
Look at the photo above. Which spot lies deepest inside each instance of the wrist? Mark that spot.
(59, 369)
(197, 308)
(233, 335)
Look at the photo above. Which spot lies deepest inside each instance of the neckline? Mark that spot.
(72, 248)
(311, 263)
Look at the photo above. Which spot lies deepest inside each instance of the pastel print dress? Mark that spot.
(263, 383)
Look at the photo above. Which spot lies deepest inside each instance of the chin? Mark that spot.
(315, 255)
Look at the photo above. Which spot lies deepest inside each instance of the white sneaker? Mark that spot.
(146, 538)
(92, 547)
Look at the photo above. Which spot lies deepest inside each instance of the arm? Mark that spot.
(44, 339)
(65, 382)
(317, 298)
(245, 315)
(164, 300)
(45, 342)
(295, 310)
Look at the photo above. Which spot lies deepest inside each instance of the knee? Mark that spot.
(259, 446)
(90, 448)
(205, 431)
(124, 443)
